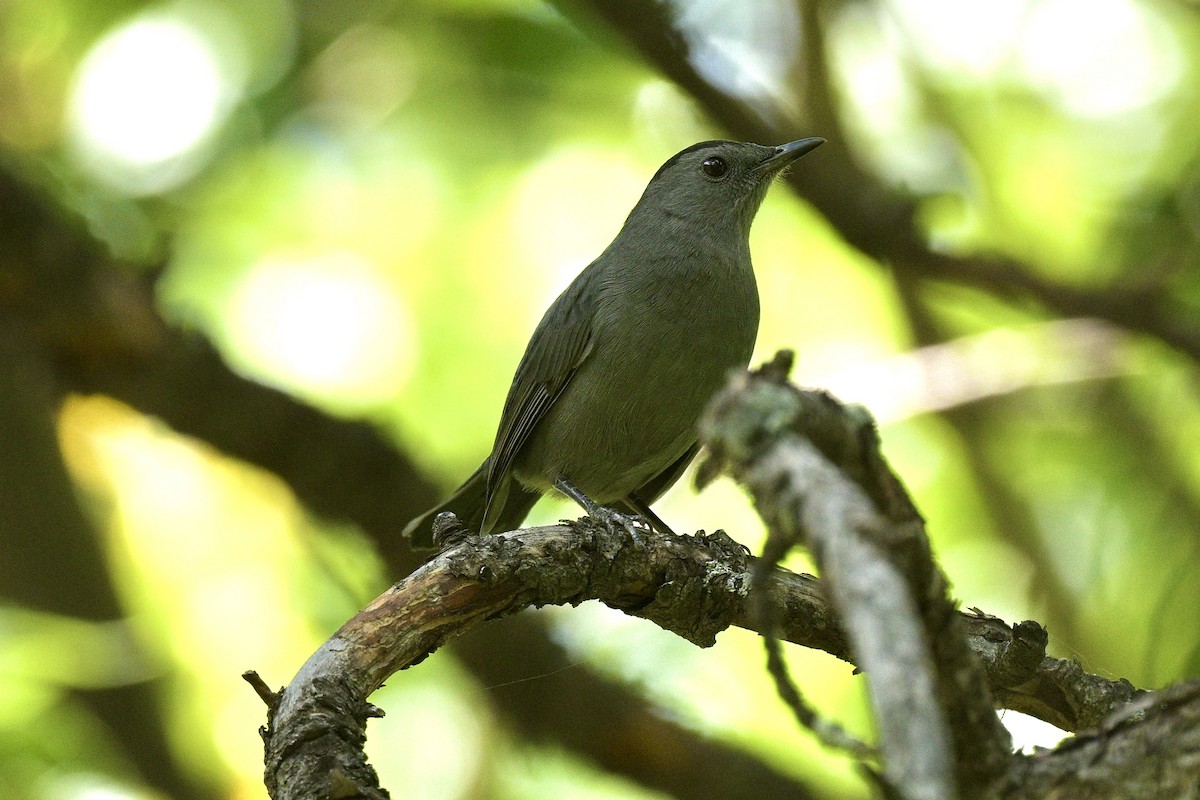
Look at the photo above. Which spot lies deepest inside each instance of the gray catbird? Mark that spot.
(605, 401)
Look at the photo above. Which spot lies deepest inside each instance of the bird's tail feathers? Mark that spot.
(466, 502)
(506, 511)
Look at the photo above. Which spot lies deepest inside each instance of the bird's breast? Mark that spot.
(660, 350)
(696, 316)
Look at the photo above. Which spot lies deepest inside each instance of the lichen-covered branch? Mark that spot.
(815, 471)
(1150, 751)
(692, 585)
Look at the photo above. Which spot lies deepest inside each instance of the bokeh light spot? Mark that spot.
(323, 323)
(1122, 59)
(964, 39)
(147, 95)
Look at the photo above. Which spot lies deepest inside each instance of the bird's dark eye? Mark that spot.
(714, 167)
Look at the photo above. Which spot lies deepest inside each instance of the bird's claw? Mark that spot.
(617, 522)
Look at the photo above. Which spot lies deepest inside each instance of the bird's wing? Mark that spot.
(558, 346)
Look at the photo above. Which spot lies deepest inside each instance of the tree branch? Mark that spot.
(694, 586)
(1150, 751)
(690, 585)
(815, 471)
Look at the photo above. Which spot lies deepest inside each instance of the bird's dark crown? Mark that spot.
(670, 162)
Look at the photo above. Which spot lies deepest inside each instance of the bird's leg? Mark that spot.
(613, 519)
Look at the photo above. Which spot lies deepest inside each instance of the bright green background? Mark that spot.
(370, 205)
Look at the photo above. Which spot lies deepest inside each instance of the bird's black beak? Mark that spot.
(787, 153)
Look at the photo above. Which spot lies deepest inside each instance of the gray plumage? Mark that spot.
(617, 373)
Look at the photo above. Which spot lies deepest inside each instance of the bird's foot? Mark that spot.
(614, 521)
(617, 522)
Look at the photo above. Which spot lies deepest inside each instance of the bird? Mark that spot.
(606, 398)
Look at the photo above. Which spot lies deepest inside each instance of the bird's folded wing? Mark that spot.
(558, 346)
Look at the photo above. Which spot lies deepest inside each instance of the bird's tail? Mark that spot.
(468, 503)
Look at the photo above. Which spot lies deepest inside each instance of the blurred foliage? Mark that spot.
(369, 205)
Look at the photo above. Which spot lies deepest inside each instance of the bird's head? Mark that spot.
(718, 184)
